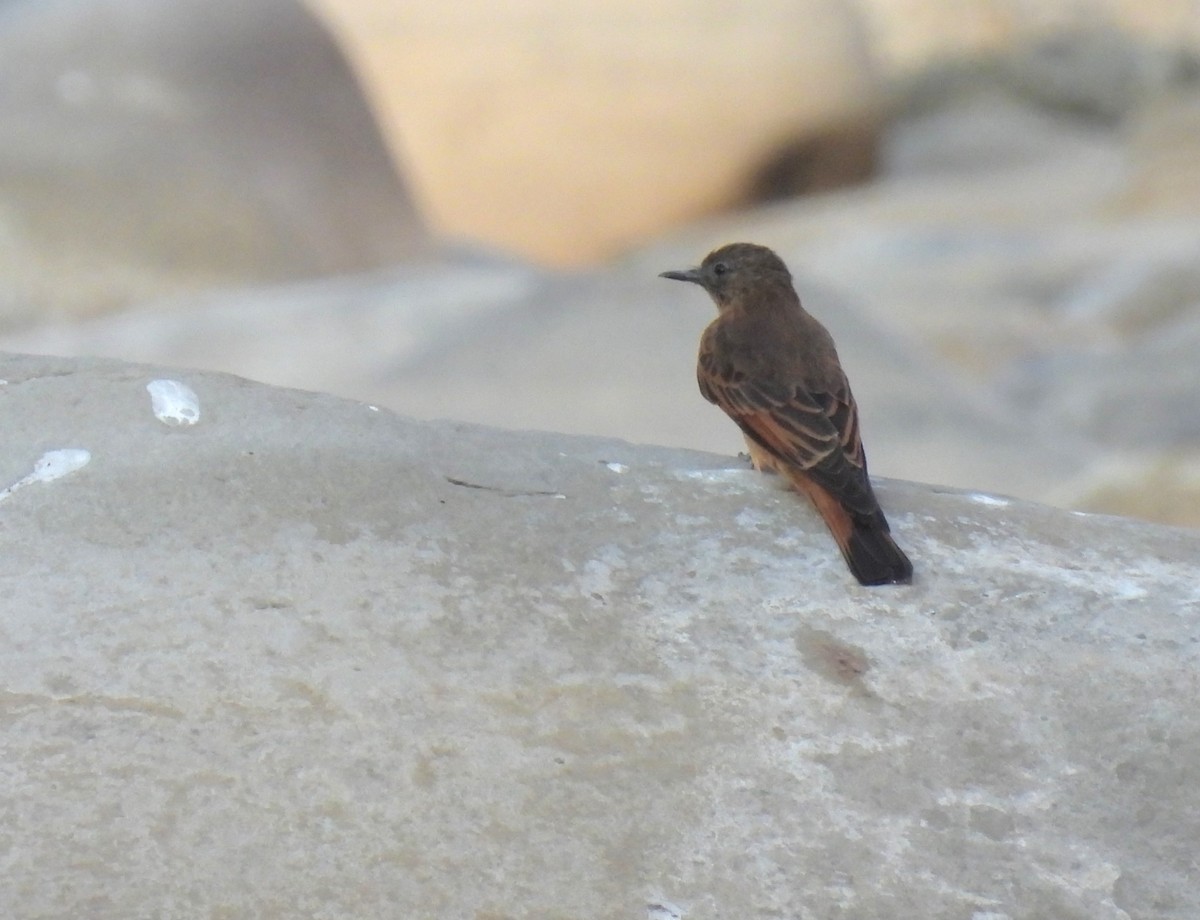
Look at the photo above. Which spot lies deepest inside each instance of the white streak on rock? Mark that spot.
(982, 498)
(617, 467)
(173, 403)
(54, 464)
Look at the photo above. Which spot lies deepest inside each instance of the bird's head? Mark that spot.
(734, 270)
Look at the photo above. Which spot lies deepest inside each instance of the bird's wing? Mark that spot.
(812, 431)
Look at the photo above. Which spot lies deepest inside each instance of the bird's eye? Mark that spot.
(720, 268)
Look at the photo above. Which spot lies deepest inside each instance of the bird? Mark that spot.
(773, 368)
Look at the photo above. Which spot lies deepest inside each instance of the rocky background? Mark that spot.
(271, 653)
(996, 212)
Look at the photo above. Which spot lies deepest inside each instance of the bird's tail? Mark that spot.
(865, 541)
(873, 556)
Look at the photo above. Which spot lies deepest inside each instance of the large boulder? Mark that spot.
(273, 653)
(567, 132)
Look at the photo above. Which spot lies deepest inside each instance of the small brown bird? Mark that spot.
(774, 370)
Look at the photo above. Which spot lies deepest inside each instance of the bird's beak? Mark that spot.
(692, 275)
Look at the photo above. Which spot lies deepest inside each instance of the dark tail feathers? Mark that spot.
(873, 556)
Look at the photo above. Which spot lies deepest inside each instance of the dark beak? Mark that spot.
(692, 275)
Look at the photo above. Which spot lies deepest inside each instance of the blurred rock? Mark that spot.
(1098, 72)
(567, 132)
(1164, 138)
(306, 659)
(984, 210)
(1156, 483)
(609, 353)
(346, 335)
(1093, 71)
(1026, 248)
(151, 147)
(1014, 298)
(912, 35)
(1142, 394)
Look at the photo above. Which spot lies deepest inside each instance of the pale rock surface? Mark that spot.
(347, 335)
(303, 658)
(148, 148)
(566, 132)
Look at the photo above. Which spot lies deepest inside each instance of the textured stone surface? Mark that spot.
(306, 658)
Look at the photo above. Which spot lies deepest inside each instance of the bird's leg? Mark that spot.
(760, 459)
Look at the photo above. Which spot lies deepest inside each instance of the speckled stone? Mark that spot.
(307, 658)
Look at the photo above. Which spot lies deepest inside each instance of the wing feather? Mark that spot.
(814, 432)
